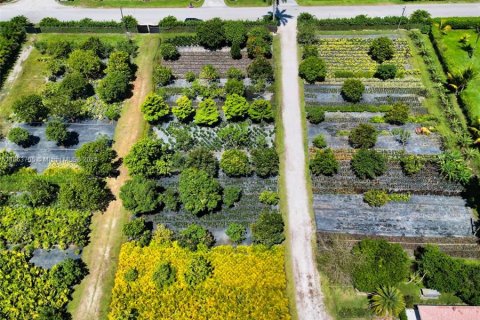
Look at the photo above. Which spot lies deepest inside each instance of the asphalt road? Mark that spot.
(35, 10)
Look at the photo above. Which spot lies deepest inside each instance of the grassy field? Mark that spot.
(135, 3)
(367, 2)
(248, 3)
(457, 59)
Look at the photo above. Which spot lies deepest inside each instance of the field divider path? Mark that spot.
(301, 228)
(101, 255)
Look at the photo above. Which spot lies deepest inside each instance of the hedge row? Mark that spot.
(460, 22)
(53, 25)
(12, 35)
(362, 22)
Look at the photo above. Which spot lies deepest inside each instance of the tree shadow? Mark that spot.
(71, 140)
(281, 16)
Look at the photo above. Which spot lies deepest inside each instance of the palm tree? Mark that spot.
(460, 79)
(387, 301)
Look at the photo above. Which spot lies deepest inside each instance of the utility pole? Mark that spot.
(400, 21)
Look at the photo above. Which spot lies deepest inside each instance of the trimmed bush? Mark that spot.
(363, 136)
(8, 162)
(236, 232)
(398, 114)
(260, 110)
(319, 142)
(20, 136)
(195, 236)
(310, 51)
(183, 110)
(199, 192)
(313, 69)
(140, 195)
(84, 193)
(235, 33)
(235, 107)
(234, 73)
(114, 87)
(235, 51)
(352, 90)
(149, 158)
(315, 115)
(169, 51)
(386, 71)
(234, 86)
(96, 157)
(162, 75)
(154, 108)
(209, 73)
(57, 131)
(376, 198)
(265, 161)
(268, 197)
(235, 163)
(207, 113)
(211, 34)
(381, 49)
(368, 164)
(412, 164)
(324, 163)
(202, 159)
(85, 62)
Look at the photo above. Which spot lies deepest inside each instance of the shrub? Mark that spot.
(398, 114)
(380, 263)
(199, 192)
(162, 75)
(268, 229)
(128, 46)
(315, 115)
(114, 87)
(235, 107)
(169, 51)
(154, 108)
(306, 35)
(198, 270)
(96, 157)
(319, 142)
(96, 45)
(190, 76)
(234, 135)
(170, 199)
(454, 167)
(235, 51)
(260, 110)
(202, 159)
(310, 51)
(363, 136)
(324, 163)
(231, 195)
(376, 198)
(130, 23)
(352, 90)
(368, 164)
(75, 86)
(412, 164)
(235, 163)
(134, 229)
(183, 109)
(8, 162)
(234, 73)
(236, 232)
(211, 34)
(194, 236)
(20, 136)
(235, 32)
(140, 195)
(84, 193)
(57, 131)
(386, 71)
(67, 273)
(119, 61)
(382, 49)
(164, 276)
(312, 69)
(30, 108)
(258, 47)
(207, 113)
(131, 275)
(209, 73)
(149, 158)
(268, 197)
(85, 62)
(260, 69)
(234, 86)
(420, 16)
(40, 193)
(265, 162)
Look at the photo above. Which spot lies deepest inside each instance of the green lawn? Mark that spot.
(135, 3)
(362, 2)
(248, 3)
(456, 58)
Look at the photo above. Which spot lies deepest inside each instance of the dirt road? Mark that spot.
(101, 255)
(309, 297)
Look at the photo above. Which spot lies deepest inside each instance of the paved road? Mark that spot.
(35, 10)
(301, 229)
